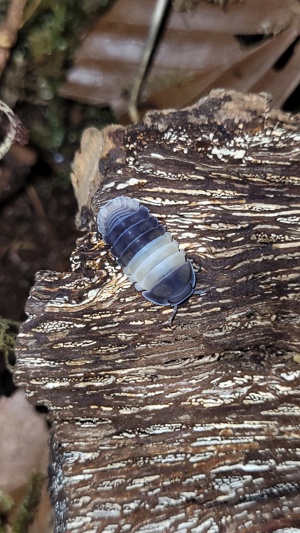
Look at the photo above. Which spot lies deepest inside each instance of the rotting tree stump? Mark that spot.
(193, 427)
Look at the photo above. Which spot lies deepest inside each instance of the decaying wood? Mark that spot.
(195, 427)
(86, 177)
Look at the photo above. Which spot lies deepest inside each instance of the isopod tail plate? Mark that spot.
(151, 258)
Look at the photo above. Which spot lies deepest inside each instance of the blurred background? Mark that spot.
(68, 65)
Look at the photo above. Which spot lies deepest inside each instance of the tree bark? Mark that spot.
(193, 427)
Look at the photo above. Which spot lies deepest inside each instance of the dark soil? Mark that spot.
(37, 232)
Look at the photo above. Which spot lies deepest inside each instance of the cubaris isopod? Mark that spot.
(150, 257)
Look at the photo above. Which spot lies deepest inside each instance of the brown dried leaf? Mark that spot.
(23, 452)
(23, 444)
(198, 51)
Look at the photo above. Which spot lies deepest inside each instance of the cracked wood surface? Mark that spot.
(195, 427)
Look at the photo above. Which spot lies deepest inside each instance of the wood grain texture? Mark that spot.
(193, 428)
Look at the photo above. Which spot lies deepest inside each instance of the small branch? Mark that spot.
(9, 30)
(155, 26)
(16, 132)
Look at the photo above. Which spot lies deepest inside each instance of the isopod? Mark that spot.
(150, 257)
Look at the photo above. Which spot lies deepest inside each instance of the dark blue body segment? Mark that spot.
(139, 243)
(150, 257)
(139, 231)
(119, 224)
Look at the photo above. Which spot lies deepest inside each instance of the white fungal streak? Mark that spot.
(140, 323)
(126, 411)
(223, 153)
(291, 376)
(156, 407)
(127, 336)
(105, 510)
(187, 235)
(191, 192)
(287, 530)
(157, 156)
(275, 210)
(151, 200)
(77, 344)
(56, 325)
(155, 429)
(240, 147)
(284, 410)
(170, 136)
(289, 465)
(252, 425)
(90, 296)
(282, 245)
(56, 384)
(94, 383)
(249, 467)
(109, 185)
(141, 482)
(256, 397)
(208, 526)
(78, 524)
(129, 183)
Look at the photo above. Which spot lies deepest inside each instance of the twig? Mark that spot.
(9, 29)
(155, 26)
(16, 132)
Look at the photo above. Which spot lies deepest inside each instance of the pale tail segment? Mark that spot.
(150, 257)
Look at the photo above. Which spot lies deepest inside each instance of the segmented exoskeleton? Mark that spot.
(151, 258)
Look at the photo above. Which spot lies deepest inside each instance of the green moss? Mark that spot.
(52, 31)
(6, 503)
(8, 332)
(44, 50)
(28, 508)
(3, 9)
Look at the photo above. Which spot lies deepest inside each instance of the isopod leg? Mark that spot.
(203, 291)
(175, 309)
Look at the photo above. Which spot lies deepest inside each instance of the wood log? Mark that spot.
(194, 427)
